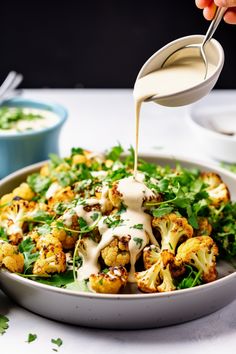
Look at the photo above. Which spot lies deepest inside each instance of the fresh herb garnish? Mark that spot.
(38, 183)
(31, 337)
(114, 153)
(192, 278)
(3, 324)
(138, 241)
(113, 222)
(57, 341)
(10, 116)
(27, 248)
(137, 226)
(3, 235)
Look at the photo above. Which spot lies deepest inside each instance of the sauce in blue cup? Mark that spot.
(25, 145)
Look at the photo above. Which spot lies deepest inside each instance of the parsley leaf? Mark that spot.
(162, 210)
(192, 278)
(59, 280)
(39, 184)
(138, 241)
(31, 337)
(3, 235)
(137, 226)
(3, 324)
(26, 247)
(77, 151)
(114, 153)
(57, 341)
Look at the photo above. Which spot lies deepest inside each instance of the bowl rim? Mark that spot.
(46, 105)
(216, 73)
(90, 295)
(192, 114)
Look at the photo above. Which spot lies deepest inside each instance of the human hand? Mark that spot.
(209, 8)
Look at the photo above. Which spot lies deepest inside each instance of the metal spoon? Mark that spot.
(211, 30)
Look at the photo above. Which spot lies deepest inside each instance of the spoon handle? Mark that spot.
(214, 23)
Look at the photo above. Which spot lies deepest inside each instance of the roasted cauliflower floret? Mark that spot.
(13, 218)
(10, 258)
(109, 282)
(173, 230)
(204, 227)
(151, 256)
(86, 157)
(67, 241)
(201, 253)
(62, 195)
(23, 191)
(52, 259)
(117, 252)
(218, 192)
(157, 278)
(45, 171)
(115, 196)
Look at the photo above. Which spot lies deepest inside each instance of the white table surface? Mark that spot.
(97, 120)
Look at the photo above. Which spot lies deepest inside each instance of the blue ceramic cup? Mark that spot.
(30, 146)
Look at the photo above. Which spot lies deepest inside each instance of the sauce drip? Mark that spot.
(180, 75)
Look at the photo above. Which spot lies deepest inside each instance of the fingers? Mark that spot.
(201, 4)
(230, 16)
(225, 3)
(209, 11)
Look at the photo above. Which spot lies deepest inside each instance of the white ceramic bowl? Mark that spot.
(214, 126)
(215, 55)
(133, 309)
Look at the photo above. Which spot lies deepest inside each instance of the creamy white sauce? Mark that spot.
(48, 119)
(135, 224)
(52, 190)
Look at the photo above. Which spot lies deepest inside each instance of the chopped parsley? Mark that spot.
(31, 337)
(57, 342)
(114, 153)
(3, 324)
(27, 248)
(137, 226)
(3, 235)
(138, 241)
(10, 116)
(191, 279)
(112, 222)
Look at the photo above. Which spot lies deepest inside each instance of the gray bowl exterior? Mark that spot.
(26, 148)
(121, 311)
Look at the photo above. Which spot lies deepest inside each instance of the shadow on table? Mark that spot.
(5, 304)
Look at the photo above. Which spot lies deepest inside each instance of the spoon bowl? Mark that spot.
(215, 56)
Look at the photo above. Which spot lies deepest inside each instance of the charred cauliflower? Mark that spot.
(201, 253)
(218, 192)
(173, 230)
(159, 277)
(117, 252)
(51, 259)
(10, 258)
(109, 282)
(13, 218)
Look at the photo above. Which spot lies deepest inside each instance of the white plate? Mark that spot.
(123, 311)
